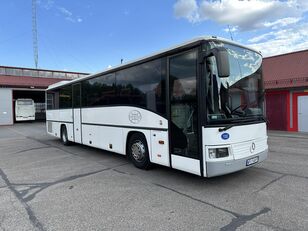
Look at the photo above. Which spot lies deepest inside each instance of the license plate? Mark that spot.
(252, 161)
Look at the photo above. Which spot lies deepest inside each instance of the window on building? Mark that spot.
(2, 70)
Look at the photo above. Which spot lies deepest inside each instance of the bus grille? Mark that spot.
(242, 150)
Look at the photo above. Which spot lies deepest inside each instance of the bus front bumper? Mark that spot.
(21, 118)
(225, 167)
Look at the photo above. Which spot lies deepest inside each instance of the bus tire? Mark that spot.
(64, 136)
(138, 151)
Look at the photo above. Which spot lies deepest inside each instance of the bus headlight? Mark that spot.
(218, 153)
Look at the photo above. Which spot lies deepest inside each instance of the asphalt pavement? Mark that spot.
(47, 186)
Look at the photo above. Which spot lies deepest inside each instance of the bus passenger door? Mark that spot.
(183, 112)
(77, 112)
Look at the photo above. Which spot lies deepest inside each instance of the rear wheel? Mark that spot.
(64, 137)
(138, 151)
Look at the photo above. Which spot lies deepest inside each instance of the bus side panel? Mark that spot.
(160, 148)
(112, 139)
(56, 118)
(54, 129)
(107, 138)
(126, 116)
(111, 125)
(63, 115)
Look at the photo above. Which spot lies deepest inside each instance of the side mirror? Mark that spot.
(222, 60)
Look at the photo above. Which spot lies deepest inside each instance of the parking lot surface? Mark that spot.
(47, 186)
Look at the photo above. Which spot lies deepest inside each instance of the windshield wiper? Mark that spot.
(242, 122)
(226, 128)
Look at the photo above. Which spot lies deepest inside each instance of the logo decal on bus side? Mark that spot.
(225, 136)
(134, 117)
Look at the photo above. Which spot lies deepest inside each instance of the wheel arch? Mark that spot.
(130, 134)
(61, 128)
(145, 134)
(145, 163)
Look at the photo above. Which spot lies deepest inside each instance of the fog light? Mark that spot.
(218, 153)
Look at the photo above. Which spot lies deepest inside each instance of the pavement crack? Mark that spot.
(31, 215)
(242, 219)
(122, 172)
(50, 145)
(238, 219)
(272, 226)
(199, 200)
(282, 173)
(30, 149)
(271, 182)
(27, 193)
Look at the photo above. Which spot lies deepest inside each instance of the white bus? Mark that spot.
(197, 107)
(24, 110)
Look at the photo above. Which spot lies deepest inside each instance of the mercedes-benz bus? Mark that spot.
(197, 107)
(24, 110)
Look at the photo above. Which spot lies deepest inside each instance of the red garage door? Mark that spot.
(276, 110)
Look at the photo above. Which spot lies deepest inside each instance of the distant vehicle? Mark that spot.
(197, 107)
(24, 110)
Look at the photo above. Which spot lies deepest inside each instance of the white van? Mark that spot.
(24, 110)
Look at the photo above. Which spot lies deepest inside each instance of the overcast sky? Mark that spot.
(90, 35)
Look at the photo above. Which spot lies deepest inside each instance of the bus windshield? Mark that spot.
(239, 97)
(24, 102)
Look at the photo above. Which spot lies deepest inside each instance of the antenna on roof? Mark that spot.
(121, 61)
(34, 33)
(230, 32)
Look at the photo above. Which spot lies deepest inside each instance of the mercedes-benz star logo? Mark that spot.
(252, 147)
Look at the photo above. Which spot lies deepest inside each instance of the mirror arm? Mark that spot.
(222, 61)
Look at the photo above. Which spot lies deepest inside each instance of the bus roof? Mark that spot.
(58, 84)
(187, 43)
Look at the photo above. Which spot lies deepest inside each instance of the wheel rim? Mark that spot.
(138, 151)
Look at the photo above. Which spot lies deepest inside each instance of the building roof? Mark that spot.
(34, 78)
(27, 82)
(286, 70)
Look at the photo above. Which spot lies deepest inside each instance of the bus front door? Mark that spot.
(77, 112)
(183, 125)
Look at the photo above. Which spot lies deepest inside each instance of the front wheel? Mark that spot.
(138, 151)
(64, 137)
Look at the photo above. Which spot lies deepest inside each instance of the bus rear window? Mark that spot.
(24, 102)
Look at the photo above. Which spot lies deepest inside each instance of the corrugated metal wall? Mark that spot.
(6, 107)
(277, 110)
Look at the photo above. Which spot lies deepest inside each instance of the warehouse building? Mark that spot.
(286, 84)
(26, 83)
